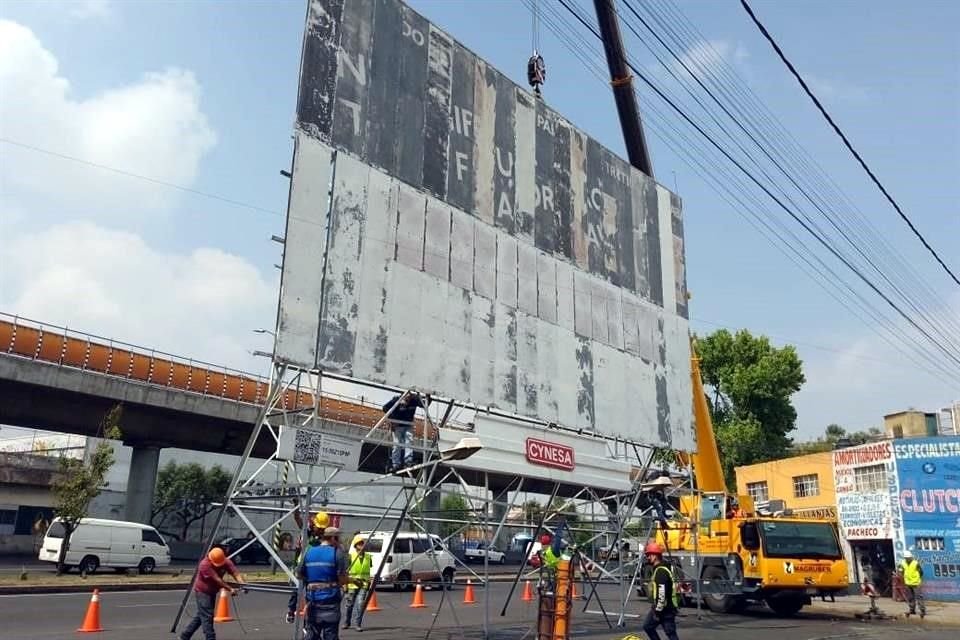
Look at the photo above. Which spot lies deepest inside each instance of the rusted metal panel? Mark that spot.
(302, 276)
(353, 72)
(373, 332)
(528, 373)
(525, 164)
(582, 313)
(318, 72)
(338, 308)
(485, 260)
(436, 132)
(506, 270)
(546, 292)
(462, 230)
(527, 278)
(541, 273)
(411, 218)
(665, 227)
(436, 249)
(679, 263)
(565, 304)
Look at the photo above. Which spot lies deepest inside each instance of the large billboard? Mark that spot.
(448, 231)
(929, 499)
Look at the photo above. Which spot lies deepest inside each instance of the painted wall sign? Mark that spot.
(447, 230)
(821, 513)
(865, 480)
(929, 474)
(549, 454)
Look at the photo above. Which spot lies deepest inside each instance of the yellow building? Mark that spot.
(910, 424)
(804, 483)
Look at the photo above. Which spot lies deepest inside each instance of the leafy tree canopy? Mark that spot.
(833, 434)
(750, 384)
(184, 495)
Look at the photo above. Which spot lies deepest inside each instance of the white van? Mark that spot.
(107, 543)
(414, 556)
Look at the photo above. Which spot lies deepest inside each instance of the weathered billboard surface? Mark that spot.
(447, 230)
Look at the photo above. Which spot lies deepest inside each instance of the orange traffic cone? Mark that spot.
(91, 621)
(222, 613)
(527, 592)
(573, 590)
(372, 602)
(418, 602)
(468, 594)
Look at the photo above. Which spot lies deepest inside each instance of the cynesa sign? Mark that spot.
(549, 454)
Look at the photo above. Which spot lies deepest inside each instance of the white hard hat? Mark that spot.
(908, 554)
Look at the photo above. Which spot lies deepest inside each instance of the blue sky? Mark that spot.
(202, 95)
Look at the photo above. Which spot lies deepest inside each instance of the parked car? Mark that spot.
(106, 543)
(414, 556)
(254, 553)
(476, 554)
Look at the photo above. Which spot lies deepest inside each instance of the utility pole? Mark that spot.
(622, 83)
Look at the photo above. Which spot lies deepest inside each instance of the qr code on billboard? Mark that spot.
(307, 447)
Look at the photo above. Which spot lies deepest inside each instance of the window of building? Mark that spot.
(806, 486)
(758, 491)
(872, 478)
(929, 544)
(898, 431)
(8, 521)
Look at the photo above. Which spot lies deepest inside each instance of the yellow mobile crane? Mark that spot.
(744, 557)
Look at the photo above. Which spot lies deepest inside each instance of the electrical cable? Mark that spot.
(695, 159)
(843, 137)
(767, 190)
(947, 337)
(715, 70)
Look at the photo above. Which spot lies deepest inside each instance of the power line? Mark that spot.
(843, 137)
(803, 223)
(138, 176)
(694, 154)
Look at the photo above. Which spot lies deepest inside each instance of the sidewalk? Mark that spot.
(938, 613)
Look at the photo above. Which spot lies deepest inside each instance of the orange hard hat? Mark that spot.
(217, 557)
(653, 547)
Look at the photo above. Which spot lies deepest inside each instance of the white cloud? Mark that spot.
(201, 303)
(835, 91)
(152, 127)
(707, 58)
(84, 9)
(860, 383)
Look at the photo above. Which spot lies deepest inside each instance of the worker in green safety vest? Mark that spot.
(359, 570)
(663, 593)
(550, 553)
(912, 574)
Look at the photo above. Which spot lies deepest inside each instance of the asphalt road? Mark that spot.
(148, 616)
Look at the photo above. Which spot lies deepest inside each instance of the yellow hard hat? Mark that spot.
(321, 520)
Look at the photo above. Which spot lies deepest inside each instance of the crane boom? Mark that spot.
(706, 461)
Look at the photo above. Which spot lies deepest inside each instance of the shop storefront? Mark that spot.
(929, 503)
(868, 513)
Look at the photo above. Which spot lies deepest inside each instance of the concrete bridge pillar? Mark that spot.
(142, 483)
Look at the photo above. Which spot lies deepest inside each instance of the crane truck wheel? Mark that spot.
(718, 603)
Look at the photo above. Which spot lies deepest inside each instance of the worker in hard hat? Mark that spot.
(315, 528)
(912, 574)
(403, 410)
(359, 570)
(324, 572)
(550, 551)
(663, 593)
(206, 586)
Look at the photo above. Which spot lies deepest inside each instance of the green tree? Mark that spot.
(454, 507)
(833, 434)
(80, 481)
(184, 495)
(749, 388)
